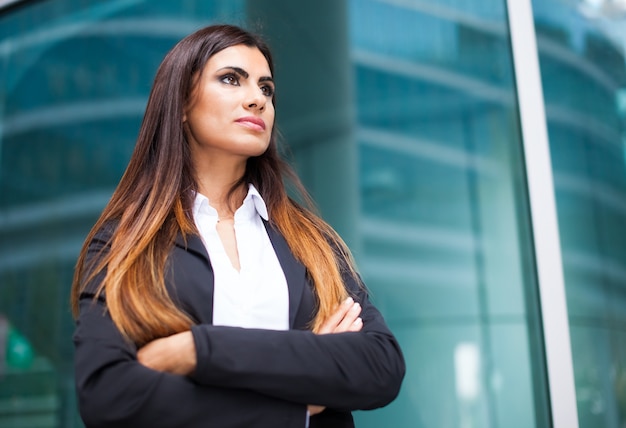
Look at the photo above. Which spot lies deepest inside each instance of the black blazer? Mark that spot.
(248, 378)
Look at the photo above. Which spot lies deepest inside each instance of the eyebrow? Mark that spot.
(245, 74)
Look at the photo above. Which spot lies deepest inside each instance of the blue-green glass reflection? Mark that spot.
(75, 79)
(444, 236)
(581, 51)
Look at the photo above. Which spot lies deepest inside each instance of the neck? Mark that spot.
(216, 178)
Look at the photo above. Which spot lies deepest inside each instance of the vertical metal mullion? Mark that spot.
(543, 215)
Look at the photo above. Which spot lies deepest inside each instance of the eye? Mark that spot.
(267, 90)
(230, 79)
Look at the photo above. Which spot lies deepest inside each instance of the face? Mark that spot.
(231, 110)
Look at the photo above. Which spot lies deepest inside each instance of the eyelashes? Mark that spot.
(268, 90)
(234, 80)
(230, 79)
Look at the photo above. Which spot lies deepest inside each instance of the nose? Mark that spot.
(255, 100)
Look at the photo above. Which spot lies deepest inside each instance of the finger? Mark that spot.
(349, 318)
(333, 321)
(357, 325)
(314, 410)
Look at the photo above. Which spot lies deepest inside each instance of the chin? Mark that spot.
(257, 151)
(250, 147)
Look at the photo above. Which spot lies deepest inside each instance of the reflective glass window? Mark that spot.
(443, 211)
(582, 57)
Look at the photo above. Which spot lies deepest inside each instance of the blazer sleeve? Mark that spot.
(350, 371)
(115, 390)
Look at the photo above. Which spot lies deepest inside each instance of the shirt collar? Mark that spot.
(257, 199)
(252, 204)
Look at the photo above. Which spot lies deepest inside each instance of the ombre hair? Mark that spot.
(152, 205)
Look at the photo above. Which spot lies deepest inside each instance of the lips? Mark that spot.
(252, 122)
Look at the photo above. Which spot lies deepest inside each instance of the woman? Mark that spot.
(204, 296)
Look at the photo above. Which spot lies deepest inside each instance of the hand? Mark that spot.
(346, 318)
(314, 410)
(174, 354)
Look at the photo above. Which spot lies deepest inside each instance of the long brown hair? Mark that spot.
(152, 205)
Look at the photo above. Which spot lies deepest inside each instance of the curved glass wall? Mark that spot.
(402, 120)
(445, 244)
(75, 78)
(582, 57)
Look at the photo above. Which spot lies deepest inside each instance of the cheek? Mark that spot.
(211, 104)
(269, 130)
(271, 114)
(206, 116)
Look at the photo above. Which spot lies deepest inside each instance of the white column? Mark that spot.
(543, 215)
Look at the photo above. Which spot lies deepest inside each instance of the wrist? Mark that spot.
(186, 352)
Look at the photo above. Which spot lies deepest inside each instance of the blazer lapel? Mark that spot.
(192, 243)
(294, 271)
(193, 280)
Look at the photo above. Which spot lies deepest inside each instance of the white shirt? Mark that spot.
(256, 296)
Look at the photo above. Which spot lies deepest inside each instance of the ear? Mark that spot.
(185, 111)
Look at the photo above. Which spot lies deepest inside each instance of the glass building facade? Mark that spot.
(411, 123)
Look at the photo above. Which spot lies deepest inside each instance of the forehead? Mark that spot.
(248, 58)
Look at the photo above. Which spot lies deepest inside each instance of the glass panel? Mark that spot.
(581, 50)
(443, 221)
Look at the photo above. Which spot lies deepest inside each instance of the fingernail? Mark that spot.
(355, 306)
(349, 301)
(358, 320)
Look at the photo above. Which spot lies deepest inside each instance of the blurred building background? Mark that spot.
(488, 220)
